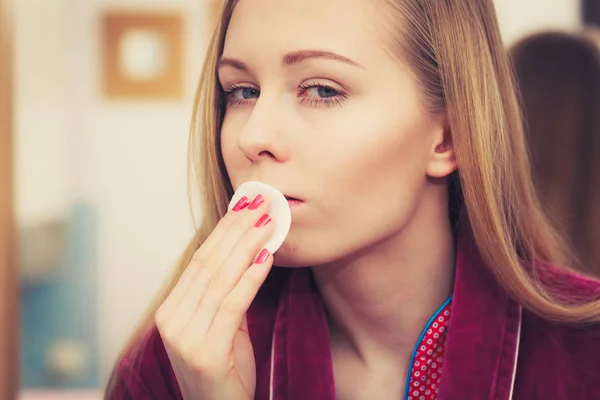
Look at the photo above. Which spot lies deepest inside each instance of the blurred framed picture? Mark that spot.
(142, 55)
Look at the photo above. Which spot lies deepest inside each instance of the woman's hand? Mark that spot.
(203, 321)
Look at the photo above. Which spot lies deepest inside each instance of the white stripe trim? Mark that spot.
(514, 375)
(272, 372)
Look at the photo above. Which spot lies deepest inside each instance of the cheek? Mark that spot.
(369, 149)
(381, 174)
(235, 162)
(370, 179)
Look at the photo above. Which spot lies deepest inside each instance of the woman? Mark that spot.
(559, 77)
(393, 128)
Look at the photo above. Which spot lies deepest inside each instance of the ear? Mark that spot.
(442, 161)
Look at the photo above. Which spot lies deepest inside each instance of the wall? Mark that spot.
(63, 302)
(41, 109)
(518, 18)
(126, 158)
(132, 164)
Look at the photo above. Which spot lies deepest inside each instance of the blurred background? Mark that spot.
(102, 99)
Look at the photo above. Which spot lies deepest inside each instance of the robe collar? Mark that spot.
(289, 328)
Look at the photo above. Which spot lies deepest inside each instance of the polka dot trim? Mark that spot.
(428, 361)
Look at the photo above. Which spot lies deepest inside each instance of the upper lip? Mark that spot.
(287, 196)
(290, 197)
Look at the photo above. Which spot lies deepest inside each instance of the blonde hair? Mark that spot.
(455, 51)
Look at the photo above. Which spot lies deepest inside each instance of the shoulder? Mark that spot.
(144, 371)
(560, 360)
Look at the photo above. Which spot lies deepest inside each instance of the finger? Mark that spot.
(224, 224)
(212, 271)
(186, 277)
(236, 233)
(226, 279)
(233, 309)
(210, 255)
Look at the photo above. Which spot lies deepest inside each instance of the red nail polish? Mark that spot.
(258, 200)
(263, 221)
(241, 204)
(262, 257)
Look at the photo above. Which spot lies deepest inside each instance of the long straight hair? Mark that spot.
(455, 51)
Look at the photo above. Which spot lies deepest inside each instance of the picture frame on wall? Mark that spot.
(142, 55)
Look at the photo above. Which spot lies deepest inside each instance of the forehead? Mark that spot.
(279, 26)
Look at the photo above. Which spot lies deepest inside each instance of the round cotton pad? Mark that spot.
(280, 210)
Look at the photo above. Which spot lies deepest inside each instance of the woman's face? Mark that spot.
(319, 109)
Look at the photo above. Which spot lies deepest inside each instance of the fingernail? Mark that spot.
(262, 257)
(263, 221)
(258, 200)
(241, 204)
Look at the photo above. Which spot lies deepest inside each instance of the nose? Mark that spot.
(263, 135)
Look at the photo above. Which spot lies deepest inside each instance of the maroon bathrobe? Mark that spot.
(493, 350)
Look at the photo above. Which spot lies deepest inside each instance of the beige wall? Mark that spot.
(126, 157)
(522, 17)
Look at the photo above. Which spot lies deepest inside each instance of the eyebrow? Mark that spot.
(292, 58)
(299, 56)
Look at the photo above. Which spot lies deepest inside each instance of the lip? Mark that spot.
(292, 201)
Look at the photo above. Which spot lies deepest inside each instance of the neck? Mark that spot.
(379, 301)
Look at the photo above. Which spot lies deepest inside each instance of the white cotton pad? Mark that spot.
(280, 210)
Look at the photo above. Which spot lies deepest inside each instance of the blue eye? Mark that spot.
(246, 93)
(326, 92)
(313, 94)
(239, 95)
(317, 94)
(242, 92)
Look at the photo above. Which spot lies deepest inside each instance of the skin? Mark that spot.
(351, 140)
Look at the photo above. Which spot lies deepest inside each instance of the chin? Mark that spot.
(293, 256)
(290, 258)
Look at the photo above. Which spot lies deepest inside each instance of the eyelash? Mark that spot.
(338, 99)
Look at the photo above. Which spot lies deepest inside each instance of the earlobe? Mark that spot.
(443, 160)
